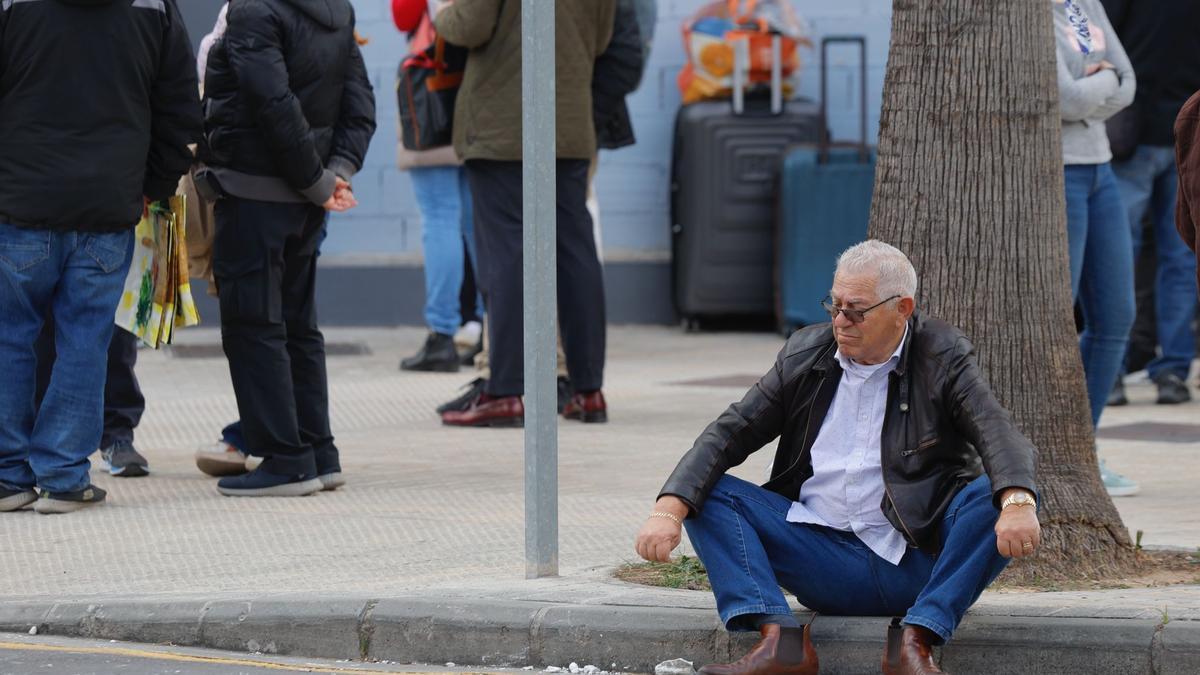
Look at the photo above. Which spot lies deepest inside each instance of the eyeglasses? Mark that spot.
(855, 315)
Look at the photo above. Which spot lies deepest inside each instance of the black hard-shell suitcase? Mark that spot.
(725, 170)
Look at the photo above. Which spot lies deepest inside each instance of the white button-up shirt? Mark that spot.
(846, 490)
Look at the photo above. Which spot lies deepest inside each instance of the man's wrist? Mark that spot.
(672, 505)
(1014, 497)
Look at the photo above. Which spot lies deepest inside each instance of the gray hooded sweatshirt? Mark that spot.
(1085, 37)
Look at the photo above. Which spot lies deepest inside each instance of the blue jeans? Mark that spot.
(79, 278)
(750, 549)
(1148, 183)
(444, 199)
(233, 435)
(1101, 275)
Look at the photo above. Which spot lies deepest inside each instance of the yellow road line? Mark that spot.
(189, 658)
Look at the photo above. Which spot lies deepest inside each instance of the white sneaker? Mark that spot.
(221, 459)
(1116, 484)
(468, 336)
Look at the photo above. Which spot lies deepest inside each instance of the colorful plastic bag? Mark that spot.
(158, 294)
(710, 36)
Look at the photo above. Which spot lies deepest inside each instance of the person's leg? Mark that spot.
(123, 408)
(306, 344)
(248, 264)
(439, 200)
(124, 403)
(1078, 180)
(969, 561)
(71, 418)
(467, 213)
(29, 271)
(1175, 285)
(581, 307)
(1106, 290)
(496, 188)
(750, 549)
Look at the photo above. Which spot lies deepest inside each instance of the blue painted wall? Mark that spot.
(633, 182)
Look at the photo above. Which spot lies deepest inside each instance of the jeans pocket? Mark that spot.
(21, 249)
(110, 251)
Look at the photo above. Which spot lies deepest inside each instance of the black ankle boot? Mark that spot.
(437, 355)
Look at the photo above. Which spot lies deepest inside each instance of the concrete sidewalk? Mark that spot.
(420, 558)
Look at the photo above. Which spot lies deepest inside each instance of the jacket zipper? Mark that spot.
(927, 444)
(887, 488)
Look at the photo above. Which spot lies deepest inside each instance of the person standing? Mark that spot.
(444, 200)
(488, 118)
(1095, 81)
(1160, 38)
(98, 103)
(289, 115)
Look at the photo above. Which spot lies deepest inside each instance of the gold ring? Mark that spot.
(1028, 544)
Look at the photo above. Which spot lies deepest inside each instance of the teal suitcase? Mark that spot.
(824, 208)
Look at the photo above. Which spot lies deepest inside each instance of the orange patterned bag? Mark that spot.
(710, 37)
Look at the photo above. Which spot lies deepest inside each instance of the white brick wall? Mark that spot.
(632, 182)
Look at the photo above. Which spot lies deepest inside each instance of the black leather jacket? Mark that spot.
(941, 419)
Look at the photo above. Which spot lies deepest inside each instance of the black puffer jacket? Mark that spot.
(617, 74)
(98, 103)
(941, 419)
(287, 95)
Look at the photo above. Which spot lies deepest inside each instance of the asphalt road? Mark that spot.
(37, 655)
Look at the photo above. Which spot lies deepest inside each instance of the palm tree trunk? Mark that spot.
(970, 185)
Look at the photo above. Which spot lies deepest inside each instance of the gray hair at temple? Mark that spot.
(888, 264)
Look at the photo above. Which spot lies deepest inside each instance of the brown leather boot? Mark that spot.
(909, 651)
(781, 651)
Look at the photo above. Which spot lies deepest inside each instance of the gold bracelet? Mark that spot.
(668, 516)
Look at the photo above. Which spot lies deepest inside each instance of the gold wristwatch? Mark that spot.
(1018, 498)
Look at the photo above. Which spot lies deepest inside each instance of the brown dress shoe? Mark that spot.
(781, 651)
(488, 411)
(909, 651)
(589, 407)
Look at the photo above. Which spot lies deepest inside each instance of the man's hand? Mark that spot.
(1018, 533)
(659, 536)
(342, 199)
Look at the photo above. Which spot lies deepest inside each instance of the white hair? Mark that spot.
(894, 273)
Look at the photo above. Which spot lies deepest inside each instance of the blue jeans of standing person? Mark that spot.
(1149, 182)
(79, 278)
(744, 539)
(444, 199)
(1101, 275)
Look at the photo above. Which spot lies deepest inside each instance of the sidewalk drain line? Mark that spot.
(366, 629)
(535, 636)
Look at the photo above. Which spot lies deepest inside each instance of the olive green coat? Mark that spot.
(487, 115)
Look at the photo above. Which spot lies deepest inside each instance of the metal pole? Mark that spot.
(541, 303)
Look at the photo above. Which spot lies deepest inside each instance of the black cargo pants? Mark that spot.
(265, 264)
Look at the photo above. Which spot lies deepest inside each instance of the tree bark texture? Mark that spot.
(970, 185)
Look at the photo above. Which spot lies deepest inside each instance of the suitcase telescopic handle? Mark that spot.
(741, 65)
(862, 146)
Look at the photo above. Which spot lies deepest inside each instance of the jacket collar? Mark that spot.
(827, 361)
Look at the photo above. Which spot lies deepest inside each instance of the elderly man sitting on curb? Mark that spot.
(877, 503)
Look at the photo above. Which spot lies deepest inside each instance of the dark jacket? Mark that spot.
(487, 112)
(618, 72)
(941, 419)
(98, 103)
(1187, 159)
(287, 97)
(1162, 40)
